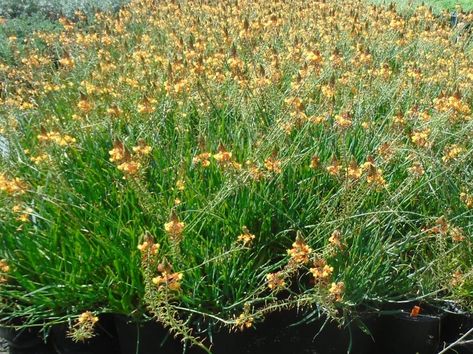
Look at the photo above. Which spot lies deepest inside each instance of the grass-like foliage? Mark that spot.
(214, 161)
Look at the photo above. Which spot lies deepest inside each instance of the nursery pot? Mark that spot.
(455, 325)
(405, 334)
(328, 337)
(225, 340)
(275, 334)
(104, 341)
(144, 337)
(282, 333)
(21, 338)
(24, 341)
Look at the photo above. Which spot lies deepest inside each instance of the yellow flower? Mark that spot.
(203, 159)
(180, 184)
(321, 270)
(39, 159)
(84, 105)
(146, 106)
(171, 281)
(375, 176)
(314, 162)
(457, 278)
(421, 138)
(149, 245)
(245, 319)
(174, 228)
(129, 167)
(344, 120)
(452, 152)
(353, 170)
(12, 186)
(457, 234)
(335, 239)
(336, 290)
(466, 198)
(222, 156)
(335, 168)
(114, 111)
(118, 153)
(246, 238)
(55, 137)
(142, 148)
(300, 251)
(87, 317)
(275, 281)
(273, 165)
(416, 169)
(4, 267)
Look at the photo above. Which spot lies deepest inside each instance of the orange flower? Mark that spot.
(129, 167)
(415, 311)
(174, 228)
(353, 170)
(336, 290)
(416, 169)
(118, 153)
(87, 317)
(300, 251)
(314, 162)
(202, 159)
(335, 239)
(273, 165)
(275, 281)
(344, 120)
(335, 168)
(321, 270)
(142, 148)
(84, 104)
(149, 245)
(222, 156)
(246, 238)
(171, 281)
(421, 138)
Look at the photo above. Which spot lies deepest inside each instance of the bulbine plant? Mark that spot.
(210, 162)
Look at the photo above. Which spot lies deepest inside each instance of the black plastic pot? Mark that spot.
(25, 341)
(281, 333)
(278, 334)
(454, 325)
(225, 342)
(325, 337)
(405, 334)
(104, 341)
(145, 337)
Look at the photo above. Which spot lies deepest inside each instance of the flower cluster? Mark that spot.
(84, 327)
(128, 164)
(13, 186)
(246, 238)
(321, 271)
(4, 269)
(299, 252)
(167, 278)
(57, 138)
(174, 228)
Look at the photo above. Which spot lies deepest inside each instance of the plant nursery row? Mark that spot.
(250, 175)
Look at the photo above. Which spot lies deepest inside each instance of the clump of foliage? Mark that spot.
(53, 8)
(215, 162)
